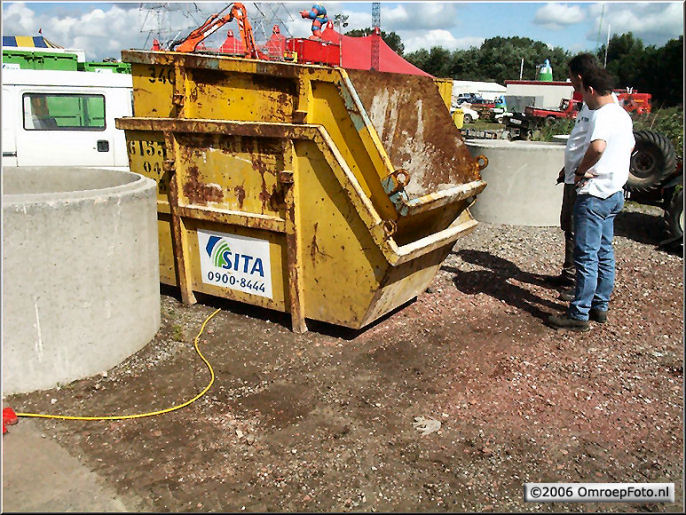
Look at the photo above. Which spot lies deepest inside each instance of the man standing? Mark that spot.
(600, 177)
(577, 67)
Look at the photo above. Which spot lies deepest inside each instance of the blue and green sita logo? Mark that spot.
(221, 256)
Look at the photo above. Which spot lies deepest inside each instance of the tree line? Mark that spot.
(648, 69)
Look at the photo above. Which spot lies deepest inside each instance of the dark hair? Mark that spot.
(581, 64)
(598, 79)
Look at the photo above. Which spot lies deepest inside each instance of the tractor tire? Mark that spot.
(652, 161)
(467, 118)
(674, 215)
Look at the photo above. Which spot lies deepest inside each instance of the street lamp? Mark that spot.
(340, 20)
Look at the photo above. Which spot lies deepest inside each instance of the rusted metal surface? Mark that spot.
(179, 242)
(253, 221)
(416, 129)
(293, 241)
(444, 197)
(198, 192)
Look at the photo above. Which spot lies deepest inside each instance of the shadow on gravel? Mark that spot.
(640, 227)
(277, 317)
(494, 282)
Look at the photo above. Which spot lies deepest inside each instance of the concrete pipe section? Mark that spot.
(80, 287)
(520, 179)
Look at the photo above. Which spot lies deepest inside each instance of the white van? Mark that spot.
(64, 118)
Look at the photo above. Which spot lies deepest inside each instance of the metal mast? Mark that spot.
(376, 23)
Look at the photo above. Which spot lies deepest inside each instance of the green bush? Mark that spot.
(546, 132)
(668, 121)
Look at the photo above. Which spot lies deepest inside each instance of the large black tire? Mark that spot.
(674, 215)
(467, 118)
(652, 161)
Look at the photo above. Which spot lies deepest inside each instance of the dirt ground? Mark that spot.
(324, 421)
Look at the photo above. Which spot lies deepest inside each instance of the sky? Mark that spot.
(103, 29)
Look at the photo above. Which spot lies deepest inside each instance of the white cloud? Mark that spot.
(419, 15)
(438, 37)
(20, 18)
(557, 16)
(653, 23)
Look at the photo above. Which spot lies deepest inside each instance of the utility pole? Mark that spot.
(521, 69)
(376, 25)
(340, 20)
(607, 45)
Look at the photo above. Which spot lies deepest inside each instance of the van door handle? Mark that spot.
(103, 145)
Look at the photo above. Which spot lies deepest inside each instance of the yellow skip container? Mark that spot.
(331, 195)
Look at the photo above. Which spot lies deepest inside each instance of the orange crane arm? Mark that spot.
(214, 23)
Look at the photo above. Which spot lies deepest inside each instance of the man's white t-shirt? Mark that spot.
(577, 142)
(612, 124)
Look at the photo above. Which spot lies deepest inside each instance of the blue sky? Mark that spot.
(104, 28)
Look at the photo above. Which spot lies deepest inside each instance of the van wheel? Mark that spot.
(674, 215)
(652, 161)
(549, 121)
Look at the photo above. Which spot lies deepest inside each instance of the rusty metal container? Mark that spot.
(330, 195)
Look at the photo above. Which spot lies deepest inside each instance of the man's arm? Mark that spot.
(591, 157)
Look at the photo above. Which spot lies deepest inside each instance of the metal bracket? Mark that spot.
(394, 185)
(285, 177)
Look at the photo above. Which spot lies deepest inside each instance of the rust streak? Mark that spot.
(198, 192)
(240, 195)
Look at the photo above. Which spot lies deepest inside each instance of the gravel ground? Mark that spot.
(325, 421)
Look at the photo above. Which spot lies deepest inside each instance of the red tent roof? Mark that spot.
(357, 54)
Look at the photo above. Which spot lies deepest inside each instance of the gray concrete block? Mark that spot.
(520, 179)
(80, 286)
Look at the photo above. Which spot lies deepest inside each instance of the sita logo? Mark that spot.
(222, 257)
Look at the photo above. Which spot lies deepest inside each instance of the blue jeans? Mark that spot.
(593, 254)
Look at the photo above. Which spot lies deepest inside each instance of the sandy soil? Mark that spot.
(324, 421)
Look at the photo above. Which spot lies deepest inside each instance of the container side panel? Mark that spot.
(231, 173)
(405, 282)
(146, 151)
(153, 87)
(328, 109)
(342, 265)
(164, 232)
(218, 95)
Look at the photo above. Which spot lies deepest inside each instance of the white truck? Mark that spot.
(64, 118)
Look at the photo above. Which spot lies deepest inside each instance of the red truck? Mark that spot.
(569, 108)
(632, 101)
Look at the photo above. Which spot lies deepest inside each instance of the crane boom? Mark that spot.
(214, 23)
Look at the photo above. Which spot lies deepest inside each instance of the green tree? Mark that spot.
(436, 61)
(624, 53)
(658, 71)
(390, 38)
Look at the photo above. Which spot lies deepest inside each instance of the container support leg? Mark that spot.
(288, 179)
(178, 233)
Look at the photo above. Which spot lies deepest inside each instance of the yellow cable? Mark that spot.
(152, 413)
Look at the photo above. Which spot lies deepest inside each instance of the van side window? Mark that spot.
(63, 111)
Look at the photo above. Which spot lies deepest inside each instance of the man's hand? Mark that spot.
(561, 176)
(580, 178)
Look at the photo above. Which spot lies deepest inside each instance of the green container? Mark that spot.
(28, 60)
(92, 66)
(21, 57)
(56, 61)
